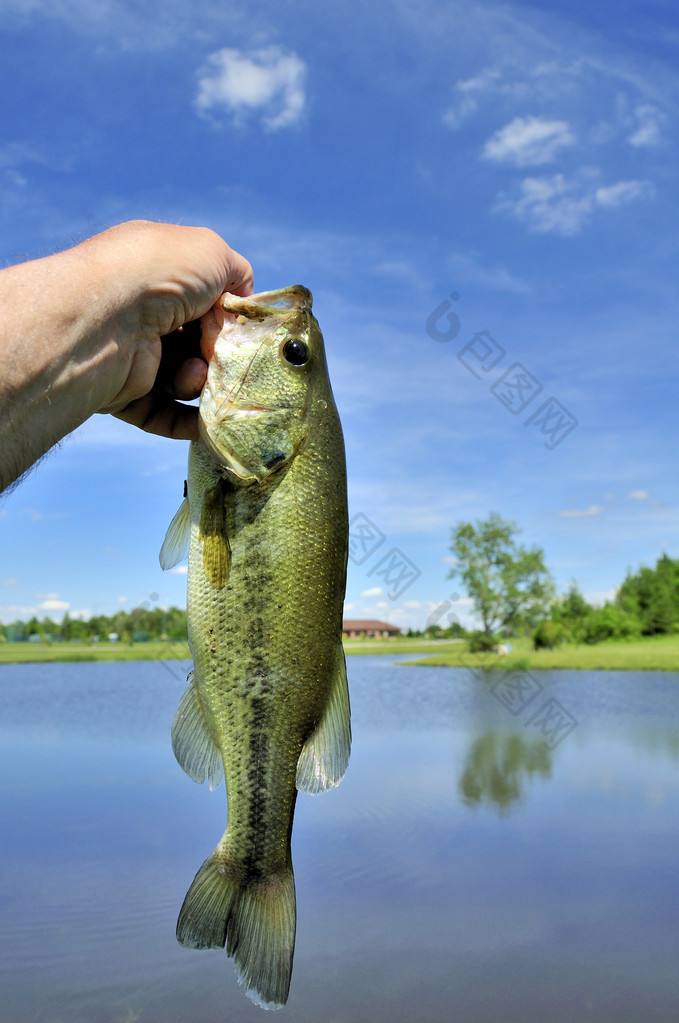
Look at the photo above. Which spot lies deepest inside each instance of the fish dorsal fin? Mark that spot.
(176, 543)
(325, 754)
(195, 748)
(213, 537)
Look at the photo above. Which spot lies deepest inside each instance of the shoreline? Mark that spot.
(657, 653)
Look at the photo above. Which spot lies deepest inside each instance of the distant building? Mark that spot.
(354, 627)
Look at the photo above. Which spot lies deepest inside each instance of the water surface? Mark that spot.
(474, 865)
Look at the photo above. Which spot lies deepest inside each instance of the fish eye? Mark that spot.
(295, 352)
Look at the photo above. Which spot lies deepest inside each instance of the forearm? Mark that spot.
(80, 332)
(63, 347)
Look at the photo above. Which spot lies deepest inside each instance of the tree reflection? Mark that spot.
(497, 767)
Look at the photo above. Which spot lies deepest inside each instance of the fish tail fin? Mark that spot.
(255, 921)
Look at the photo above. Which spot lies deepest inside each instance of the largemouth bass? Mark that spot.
(267, 705)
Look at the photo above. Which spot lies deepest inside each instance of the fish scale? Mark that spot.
(267, 702)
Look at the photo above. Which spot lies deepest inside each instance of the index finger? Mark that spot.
(240, 276)
(160, 414)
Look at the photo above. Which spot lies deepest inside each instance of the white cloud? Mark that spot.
(547, 204)
(638, 495)
(375, 591)
(467, 268)
(13, 154)
(467, 94)
(600, 597)
(649, 119)
(122, 600)
(179, 570)
(133, 26)
(11, 612)
(624, 191)
(53, 604)
(561, 205)
(267, 82)
(528, 141)
(579, 513)
(10, 582)
(499, 83)
(39, 516)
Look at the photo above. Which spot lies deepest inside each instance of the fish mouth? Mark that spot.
(278, 304)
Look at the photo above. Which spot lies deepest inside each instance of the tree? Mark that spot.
(509, 585)
(608, 622)
(652, 596)
(570, 613)
(573, 606)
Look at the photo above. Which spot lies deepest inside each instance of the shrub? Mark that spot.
(547, 635)
(480, 643)
(609, 622)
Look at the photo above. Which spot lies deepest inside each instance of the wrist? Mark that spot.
(67, 335)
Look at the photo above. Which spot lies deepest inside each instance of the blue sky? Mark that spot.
(519, 158)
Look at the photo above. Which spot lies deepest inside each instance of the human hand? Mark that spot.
(169, 277)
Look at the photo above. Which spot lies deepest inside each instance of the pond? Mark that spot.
(501, 849)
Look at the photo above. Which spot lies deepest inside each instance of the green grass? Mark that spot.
(22, 653)
(651, 653)
(18, 653)
(399, 646)
(659, 653)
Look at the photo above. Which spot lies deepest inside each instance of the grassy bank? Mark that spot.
(652, 653)
(400, 646)
(23, 653)
(660, 653)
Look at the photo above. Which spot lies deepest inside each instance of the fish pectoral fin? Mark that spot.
(325, 754)
(195, 748)
(214, 538)
(176, 543)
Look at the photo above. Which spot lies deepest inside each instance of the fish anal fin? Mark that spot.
(213, 537)
(325, 754)
(176, 542)
(255, 921)
(194, 746)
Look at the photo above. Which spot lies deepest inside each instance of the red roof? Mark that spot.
(367, 625)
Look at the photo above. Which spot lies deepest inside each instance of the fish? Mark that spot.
(267, 704)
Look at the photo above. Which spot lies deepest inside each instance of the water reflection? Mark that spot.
(497, 766)
(461, 869)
